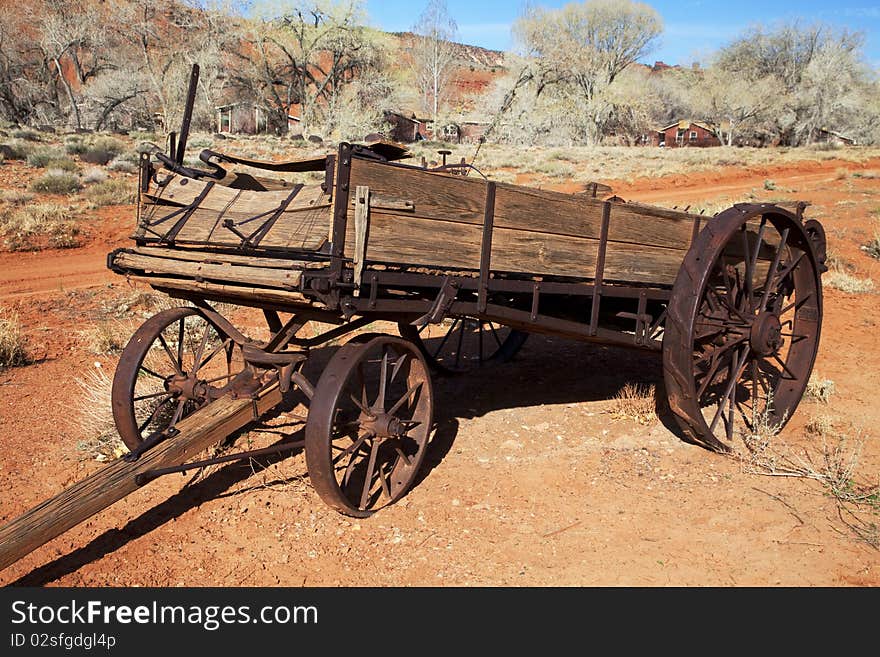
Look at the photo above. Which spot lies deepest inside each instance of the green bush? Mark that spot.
(41, 157)
(56, 182)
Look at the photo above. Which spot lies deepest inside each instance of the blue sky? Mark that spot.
(692, 28)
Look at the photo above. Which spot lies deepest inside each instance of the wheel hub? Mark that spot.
(765, 335)
(384, 425)
(187, 387)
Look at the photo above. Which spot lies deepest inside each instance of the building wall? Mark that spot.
(693, 136)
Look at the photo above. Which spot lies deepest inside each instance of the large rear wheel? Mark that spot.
(742, 327)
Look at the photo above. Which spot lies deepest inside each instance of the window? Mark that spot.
(693, 135)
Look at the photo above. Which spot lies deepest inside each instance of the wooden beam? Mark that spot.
(111, 483)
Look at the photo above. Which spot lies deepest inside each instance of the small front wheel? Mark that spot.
(368, 424)
(173, 364)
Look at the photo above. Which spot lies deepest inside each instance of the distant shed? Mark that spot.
(687, 133)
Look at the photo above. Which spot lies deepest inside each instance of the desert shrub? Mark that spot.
(56, 182)
(111, 192)
(40, 157)
(872, 248)
(847, 282)
(17, 197)
(26, 134)
(105, 338)
(94, 175)
(75, 145)
(769, 185)
(12, 347)
(31, 227)
(819, 389)
(102, 150)
(122, 165)
(16, 150)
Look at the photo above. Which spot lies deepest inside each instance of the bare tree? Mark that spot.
(433, 55)
(585, 46)
(812, 68)
(305, 55)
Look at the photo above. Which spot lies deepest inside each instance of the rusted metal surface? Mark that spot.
(740, 341)
(369, 424)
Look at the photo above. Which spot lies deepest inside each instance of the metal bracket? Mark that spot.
(442, 303)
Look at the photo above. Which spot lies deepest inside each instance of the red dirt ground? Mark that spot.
(529, 481)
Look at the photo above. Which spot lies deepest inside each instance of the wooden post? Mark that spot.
(361, 228)
(116, 480)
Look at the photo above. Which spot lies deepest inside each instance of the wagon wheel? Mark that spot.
(742, 327)
(368, 424)
(174, 363)
(460, 344)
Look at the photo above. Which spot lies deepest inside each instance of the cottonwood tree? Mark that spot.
(584, 47)
(433, 55)
(304, 54)
(812, 68)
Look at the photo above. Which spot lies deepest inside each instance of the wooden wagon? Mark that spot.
(467, 267)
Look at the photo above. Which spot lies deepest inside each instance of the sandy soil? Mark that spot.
(529, 480)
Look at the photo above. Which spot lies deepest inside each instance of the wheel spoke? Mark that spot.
(368, 477)
(771, 273)
(353, 447)
(180, 332)
(407, 395)
(153, 415)
(152, 395)
(382, 480)
(214, 352)
(445, 338)
(383, 379)
(741, 363)
(151, 372)
(170, 353)
(200, 350)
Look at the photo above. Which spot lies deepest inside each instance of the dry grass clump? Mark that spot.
(819, 389)
(848, 283)
(94, 417)
(41, 157)
(13, 352)
(111, 192)
(16, 197)
(635, 401)
(33, 227)
(105, 338)
(94, 175)
(831, 458)
(55, 181)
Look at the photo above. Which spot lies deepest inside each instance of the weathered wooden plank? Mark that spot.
(243, 294)
(177, 253)
(111, 483)
(181, 190)
(457, 198)
(445, 244)
(305, 229)
(228, 272)
(361, 230)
